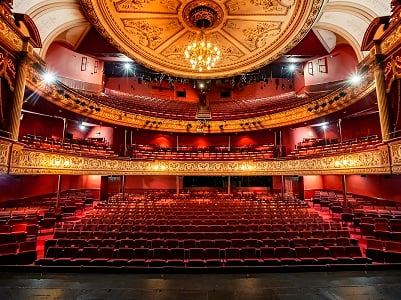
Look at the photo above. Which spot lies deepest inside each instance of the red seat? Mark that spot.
(159, 257)
(141, 257)
(267, 254)
(338, 252)
(233, 257)
(123, 256)
(319, 253)
(213, 258)
(249, 256)
(303, 254)
(285, 255)
(196, 257)
(176, 257)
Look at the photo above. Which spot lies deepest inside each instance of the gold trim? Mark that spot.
(27, 161)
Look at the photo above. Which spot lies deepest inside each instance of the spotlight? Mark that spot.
(49, 77)
(324, 126)
(292, 67)
(221, 126)
(356, 79)
(82, 126)
(127, 66)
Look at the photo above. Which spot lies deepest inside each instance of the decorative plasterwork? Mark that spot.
(26, 161)
(395, 153)
(5, 147)
(250, 34)
(349, 95)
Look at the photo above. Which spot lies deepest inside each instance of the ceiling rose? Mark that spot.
(249, 33)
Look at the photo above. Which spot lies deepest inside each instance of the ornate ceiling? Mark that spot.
(250, 34)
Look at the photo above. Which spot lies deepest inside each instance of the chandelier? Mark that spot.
(202, 55)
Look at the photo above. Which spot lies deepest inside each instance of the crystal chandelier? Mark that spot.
(202, 55)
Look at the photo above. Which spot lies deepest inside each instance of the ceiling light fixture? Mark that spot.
(202, 54)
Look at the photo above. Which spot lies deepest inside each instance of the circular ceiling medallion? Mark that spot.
(202, 14)
(249, 33)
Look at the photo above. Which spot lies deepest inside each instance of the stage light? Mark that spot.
(292, 67)
(356, 79)
(49, 77)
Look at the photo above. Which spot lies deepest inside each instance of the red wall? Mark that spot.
(362, 126)
(67, 63)
(42, 126)
(162, 90)
(151, 182)
(376, 186)
(16, 187)
(341, 64)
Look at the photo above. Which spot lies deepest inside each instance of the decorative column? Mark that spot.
(14, 118)
(382, 101)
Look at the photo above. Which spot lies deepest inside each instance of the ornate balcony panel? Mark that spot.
(26, 161)
(5, 148)
(395, 153)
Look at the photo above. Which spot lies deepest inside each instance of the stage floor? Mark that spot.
(353, 285)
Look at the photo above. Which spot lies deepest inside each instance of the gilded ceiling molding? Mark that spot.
(328, 104)
(250, 34)
(28, 161)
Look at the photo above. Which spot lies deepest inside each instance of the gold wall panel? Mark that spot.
(27, 161)
(156, 32)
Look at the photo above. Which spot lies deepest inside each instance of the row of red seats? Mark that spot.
(199, 257)
(202, 243)
(239, 227)
(200, 235)
(20, 253)
(383, 251)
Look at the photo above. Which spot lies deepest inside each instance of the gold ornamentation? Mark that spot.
(256, 37)
(27, 161)
(158, 45)
(395, 150)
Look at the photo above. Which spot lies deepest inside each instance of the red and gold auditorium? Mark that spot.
(200, 135)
